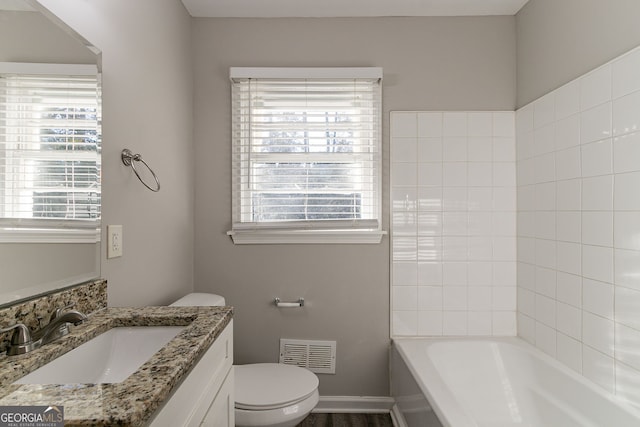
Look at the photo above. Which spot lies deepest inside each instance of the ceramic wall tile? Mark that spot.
(595, 88)
(588, 271)
(453, 198)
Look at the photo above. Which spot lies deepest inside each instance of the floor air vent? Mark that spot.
(317, 356)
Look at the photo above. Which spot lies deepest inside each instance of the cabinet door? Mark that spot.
(190, 402)
(221, 413)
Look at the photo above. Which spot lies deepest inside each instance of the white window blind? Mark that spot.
(49, 153)
(306, 150)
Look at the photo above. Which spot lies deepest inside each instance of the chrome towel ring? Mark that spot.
(129, 159)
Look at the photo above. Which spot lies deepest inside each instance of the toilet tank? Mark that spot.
(199, 299)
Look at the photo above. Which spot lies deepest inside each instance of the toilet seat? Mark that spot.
(264, 386)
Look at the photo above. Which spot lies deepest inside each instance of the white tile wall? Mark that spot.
(453, 189)
(579, 225)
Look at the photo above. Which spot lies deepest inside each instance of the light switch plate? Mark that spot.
(114, 241)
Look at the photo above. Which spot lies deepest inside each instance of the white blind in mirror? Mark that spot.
(306, 151)
(49, 151)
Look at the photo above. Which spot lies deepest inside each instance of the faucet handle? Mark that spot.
(21, 341)
(58, 311)
(20, 336)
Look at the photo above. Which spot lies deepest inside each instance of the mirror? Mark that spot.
(30, 34)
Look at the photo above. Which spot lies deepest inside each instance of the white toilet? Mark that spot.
(266, 394)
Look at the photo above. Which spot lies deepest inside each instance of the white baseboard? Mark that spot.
(354, 404)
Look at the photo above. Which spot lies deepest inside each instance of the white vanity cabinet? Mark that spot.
(205, 397)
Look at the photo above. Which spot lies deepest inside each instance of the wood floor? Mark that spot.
(347, 420)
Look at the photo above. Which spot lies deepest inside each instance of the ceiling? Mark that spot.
(349, 8)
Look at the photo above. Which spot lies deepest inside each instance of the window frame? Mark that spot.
(353, 231)
(56, 230)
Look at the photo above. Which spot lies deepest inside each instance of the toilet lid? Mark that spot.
(196, 299)
(272, 385)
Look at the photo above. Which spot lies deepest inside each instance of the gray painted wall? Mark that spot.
(147, 107)
(559, 40)
(31, 37)
(29, 269)
(429, 63)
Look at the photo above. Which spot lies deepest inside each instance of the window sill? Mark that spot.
(16, 235)
(283, 237)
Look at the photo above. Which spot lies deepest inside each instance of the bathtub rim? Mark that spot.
(448, 409)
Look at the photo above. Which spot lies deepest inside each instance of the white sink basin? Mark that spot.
(108, 358)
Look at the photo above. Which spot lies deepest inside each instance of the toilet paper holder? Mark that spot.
(279, 303)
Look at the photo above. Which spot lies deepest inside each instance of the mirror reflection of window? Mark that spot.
(49, 147)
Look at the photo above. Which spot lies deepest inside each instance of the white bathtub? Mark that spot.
(495, 382)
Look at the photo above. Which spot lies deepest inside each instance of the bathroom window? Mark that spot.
(306, 155)
(49, 153)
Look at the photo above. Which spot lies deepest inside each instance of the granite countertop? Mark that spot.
(133, 401)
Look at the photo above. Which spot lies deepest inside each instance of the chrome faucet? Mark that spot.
(58, 325)
(23, 341)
